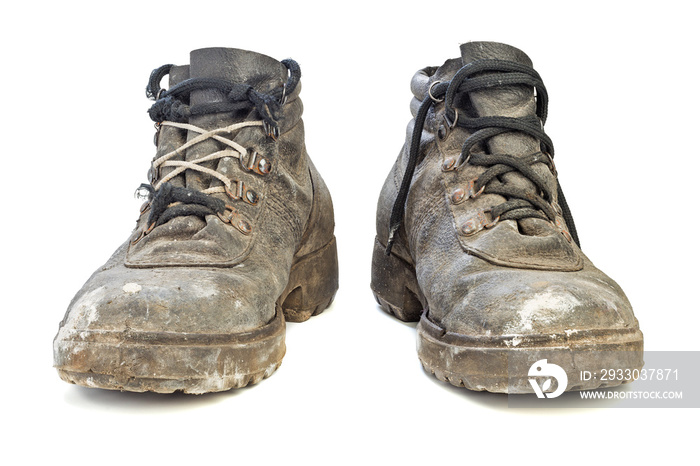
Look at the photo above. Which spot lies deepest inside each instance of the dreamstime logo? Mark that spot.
(543, 369)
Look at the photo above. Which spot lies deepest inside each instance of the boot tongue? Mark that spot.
(472, 51)
(237, 66)
(509, 101)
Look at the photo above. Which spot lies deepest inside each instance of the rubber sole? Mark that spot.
(199, 363)
(500, 364)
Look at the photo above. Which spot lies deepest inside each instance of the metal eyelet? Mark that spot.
(460, 195)
(263, 167)
(451, 124)
(153, 174)
(272, 131)
(477, 223)
(466, 159)
(144, 232)
(470, 189)
(251, 197)
(448, 165)
(430, 92)
(243, 226)
(142, 193)
(231, 216)
(156, 135)
(283, 97)
(242, 193)
(227, 215)
(250, 162)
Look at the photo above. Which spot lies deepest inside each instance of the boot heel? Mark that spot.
(395, 286)
(313, 281)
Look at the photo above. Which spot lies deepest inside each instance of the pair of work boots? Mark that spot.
(474, 237)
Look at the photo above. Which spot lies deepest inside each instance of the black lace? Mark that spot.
(521, 203)
(171, 105)
(192, 202)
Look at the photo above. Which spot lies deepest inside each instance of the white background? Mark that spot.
(76, 142)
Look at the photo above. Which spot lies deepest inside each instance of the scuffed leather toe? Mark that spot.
(517, 302)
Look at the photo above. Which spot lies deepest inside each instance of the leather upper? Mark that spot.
(516, 276)
(194, 275)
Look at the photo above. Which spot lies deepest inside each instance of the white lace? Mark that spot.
(234, 150)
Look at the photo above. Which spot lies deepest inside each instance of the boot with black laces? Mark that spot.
(476, 242)
(235, 236)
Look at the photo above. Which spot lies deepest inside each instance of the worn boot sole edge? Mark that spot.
(484, 363)
(502, 364)
(166, 362)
